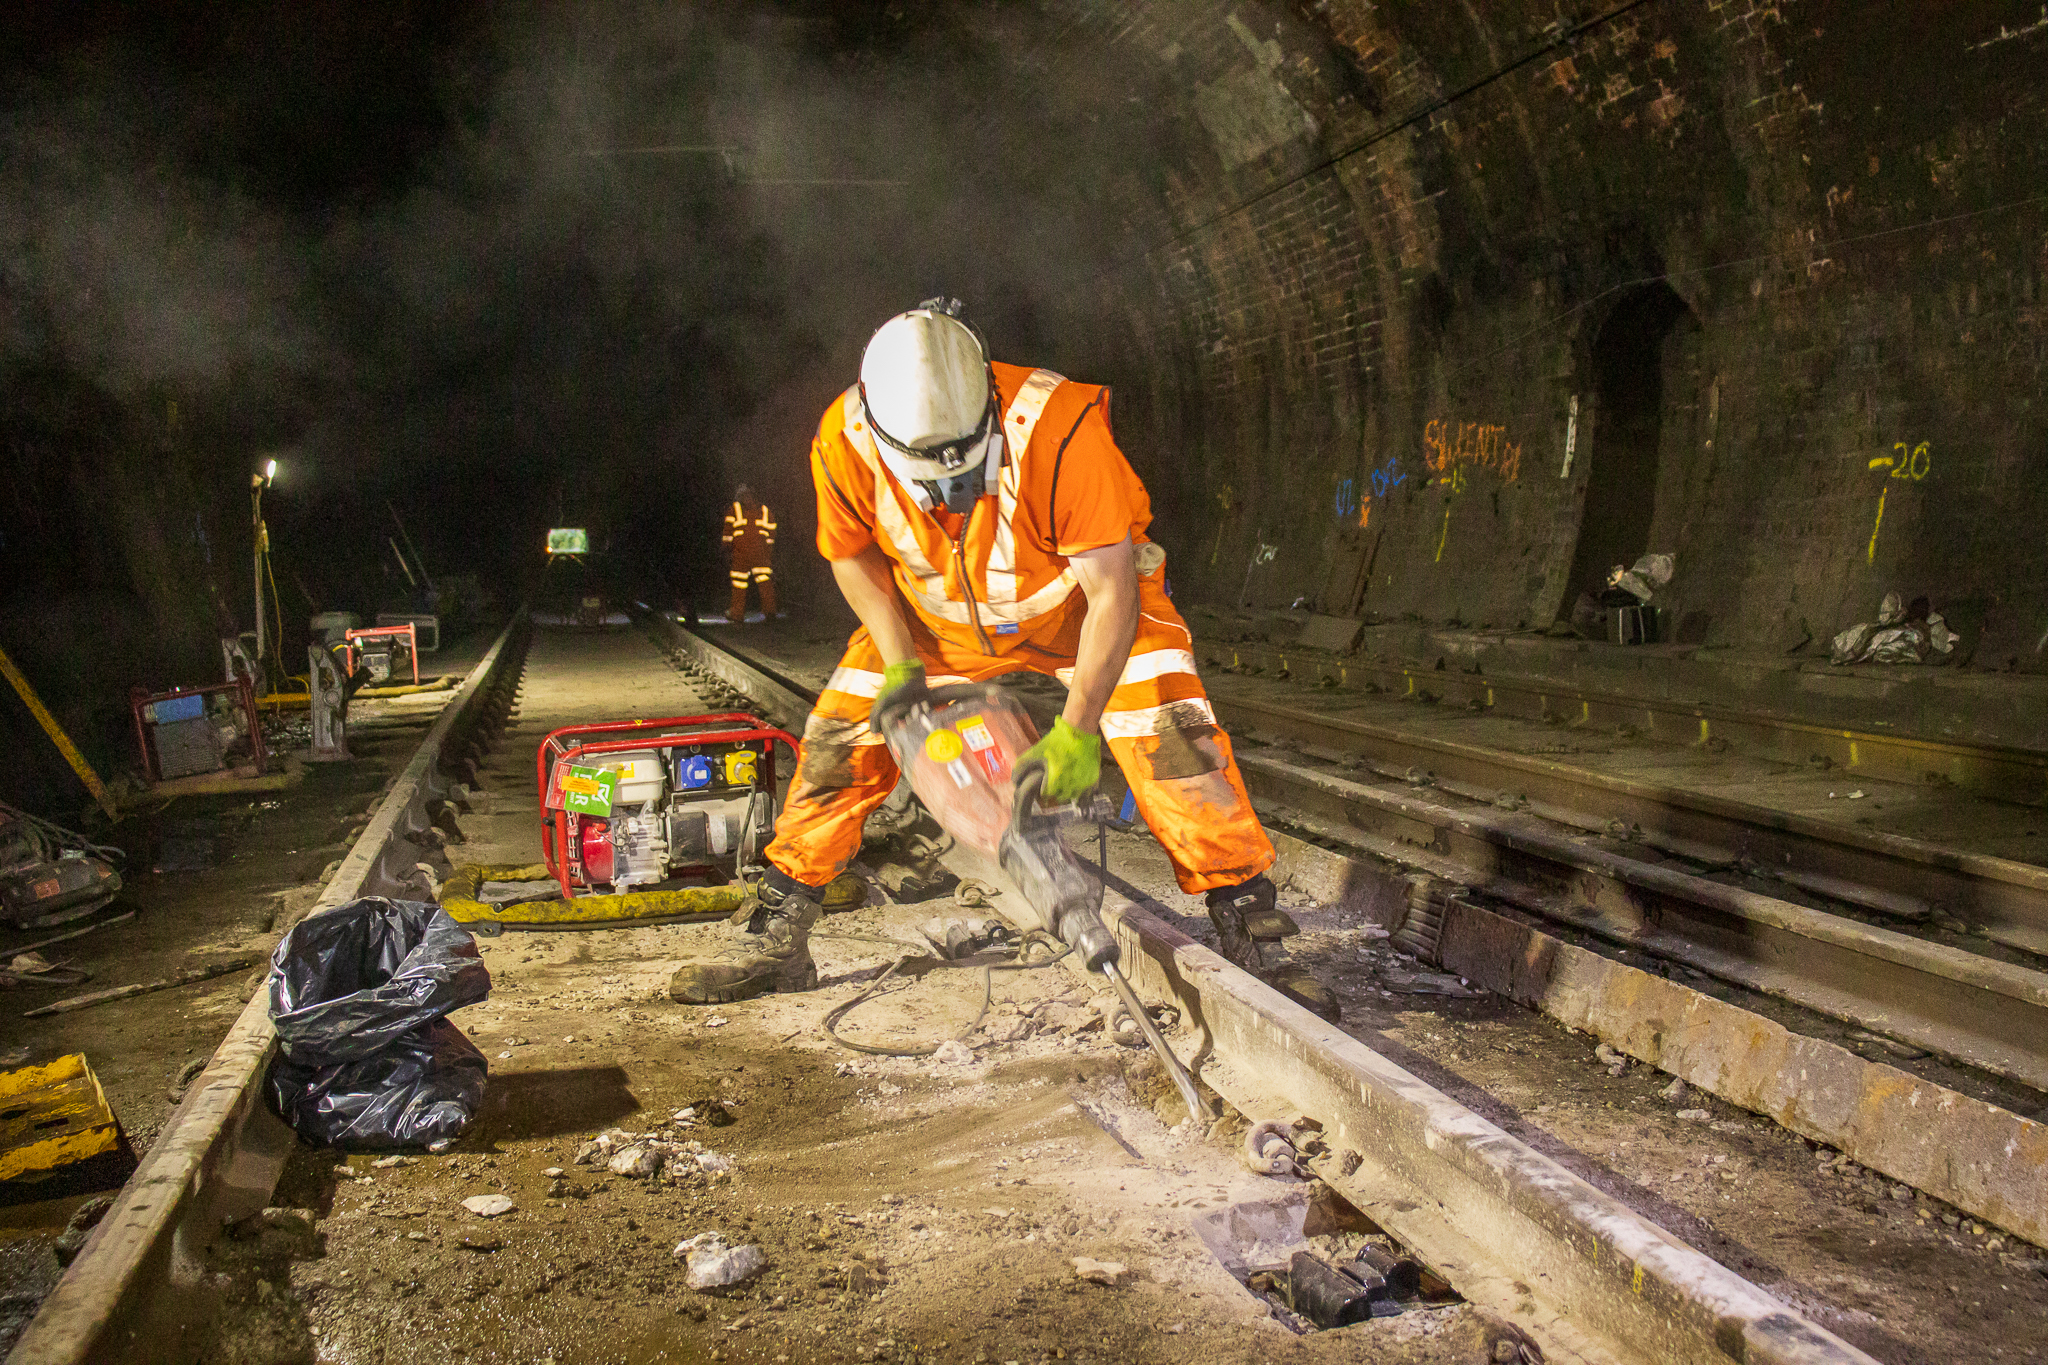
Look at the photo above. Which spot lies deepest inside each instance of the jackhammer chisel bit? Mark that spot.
(1051, 879)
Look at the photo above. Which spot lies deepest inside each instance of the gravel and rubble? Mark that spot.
(902, 1208)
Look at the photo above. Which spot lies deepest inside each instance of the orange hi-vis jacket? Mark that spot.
(998, 576)
(993, 593)
(751, 534)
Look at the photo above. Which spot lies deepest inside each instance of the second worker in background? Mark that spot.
(750, 536)
(980, 519)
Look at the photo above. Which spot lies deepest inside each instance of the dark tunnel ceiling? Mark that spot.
(504, 263)
(507, 264)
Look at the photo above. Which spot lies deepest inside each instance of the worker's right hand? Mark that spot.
(903, 687)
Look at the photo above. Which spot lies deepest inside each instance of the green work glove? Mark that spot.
(902, 688)
(1072, 762)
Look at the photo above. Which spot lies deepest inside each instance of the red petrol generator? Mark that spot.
(637, 804)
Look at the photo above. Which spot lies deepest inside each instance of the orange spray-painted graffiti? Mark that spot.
(1449, 446)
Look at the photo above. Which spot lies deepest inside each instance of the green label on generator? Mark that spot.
(588, 791)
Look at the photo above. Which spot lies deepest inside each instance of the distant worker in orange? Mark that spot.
(980, 519)
(750, 535)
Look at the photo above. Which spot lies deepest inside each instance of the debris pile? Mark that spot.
(1904, 633)
(657, 1155)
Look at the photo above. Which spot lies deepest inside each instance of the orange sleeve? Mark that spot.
(846, 513)
(1092, 498)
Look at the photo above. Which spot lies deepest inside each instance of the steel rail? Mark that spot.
(1889, 874)
(135, 1293)
(1514, 1230)
(1985, 1013)
(2000, 772)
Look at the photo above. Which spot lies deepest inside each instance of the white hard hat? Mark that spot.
(930, 399)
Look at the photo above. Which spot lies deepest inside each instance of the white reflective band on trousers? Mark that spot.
(1020, 420)
(860, 682)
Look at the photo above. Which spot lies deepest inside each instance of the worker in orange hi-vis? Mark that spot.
(750, 535)
(980, 519)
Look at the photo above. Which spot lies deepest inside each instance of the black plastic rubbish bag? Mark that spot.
(366, 1057)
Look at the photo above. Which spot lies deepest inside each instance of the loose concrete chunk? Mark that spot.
(635, 1161)
(953, 1052)
(488, 1205)
(1099, 1272)
(713, 1265)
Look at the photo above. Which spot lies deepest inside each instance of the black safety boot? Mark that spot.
(772, 953)
(1229, 910)
(1256, 902)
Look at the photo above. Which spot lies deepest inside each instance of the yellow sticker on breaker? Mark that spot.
(942, 746)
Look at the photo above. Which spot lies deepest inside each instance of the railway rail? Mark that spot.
(2000, 772)
(1906, 881)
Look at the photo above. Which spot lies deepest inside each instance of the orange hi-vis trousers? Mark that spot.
(1159, 725)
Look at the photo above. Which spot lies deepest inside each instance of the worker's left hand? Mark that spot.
(1072, 762)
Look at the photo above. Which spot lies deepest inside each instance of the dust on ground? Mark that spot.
(908, 1208)
(1904, 1277)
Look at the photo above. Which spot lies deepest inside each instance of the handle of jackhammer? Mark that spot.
(1080, 927)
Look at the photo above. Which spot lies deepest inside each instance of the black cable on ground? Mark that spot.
(1020, 963)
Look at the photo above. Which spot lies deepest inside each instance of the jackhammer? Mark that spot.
(959, 749)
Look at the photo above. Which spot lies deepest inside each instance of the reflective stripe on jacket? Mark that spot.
(1001, 571)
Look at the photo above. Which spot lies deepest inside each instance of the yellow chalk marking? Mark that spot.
(1445, 535)
(1855, 758)
(1703, 729)
(57, 736)
(1635, 1279)
(1879, 523)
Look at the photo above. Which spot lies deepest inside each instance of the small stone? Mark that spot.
(385, 1163)
(635, 1161)
(587, 1153)
(552, 1172)
(716, 1021)
(570, 1038)
(1608, 1056)
(1675, 1091)
(687, 1114)
(953, 1052)
(488, 1205)
(713, 1265)
(415, 1236)
(1694, 1115)
(1099, 1272)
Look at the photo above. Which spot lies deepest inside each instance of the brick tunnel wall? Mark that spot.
(1783, 261)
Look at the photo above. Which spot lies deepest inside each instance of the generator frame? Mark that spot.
(559, 827)
(409, 631)
(140, 698)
